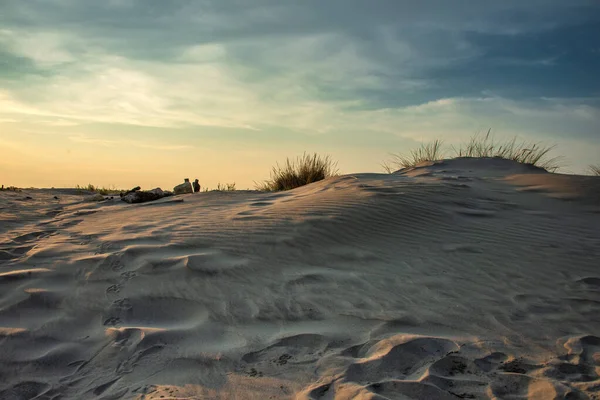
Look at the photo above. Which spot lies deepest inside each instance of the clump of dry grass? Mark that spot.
(524, 152)
(306, 169)
(427, 152)
(227, 187)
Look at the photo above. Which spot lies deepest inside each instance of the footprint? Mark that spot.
(116, 288)
(123, 304)
(128, 275)
(104, 248)
(254, 373)
(116, 265)
(283, 359)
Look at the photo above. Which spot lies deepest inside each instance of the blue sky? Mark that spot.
(130, 92)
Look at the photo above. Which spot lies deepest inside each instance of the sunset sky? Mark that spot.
(148, 92)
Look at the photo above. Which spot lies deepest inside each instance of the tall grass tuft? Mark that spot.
(427, 152)
(522, 152)
(306, 169)
(595, 169)
(535, 154)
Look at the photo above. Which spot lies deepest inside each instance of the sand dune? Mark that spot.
(466, 278)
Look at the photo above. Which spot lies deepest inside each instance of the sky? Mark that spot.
(148, 92)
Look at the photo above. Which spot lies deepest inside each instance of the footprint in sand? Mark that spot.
(123, 304)
(116, 265)
(104, 248)
(116, 288)
(253, 373)
(128, 275)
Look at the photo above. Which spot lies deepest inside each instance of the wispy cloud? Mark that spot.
(127, 143)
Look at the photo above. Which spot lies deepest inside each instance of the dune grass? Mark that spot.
(227, 187)
(536, 154)
(306, 169)
(98, 189)
(595, 169)
(523, 152)
(427, 152)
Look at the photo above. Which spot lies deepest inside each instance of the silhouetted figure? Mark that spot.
(196, 186)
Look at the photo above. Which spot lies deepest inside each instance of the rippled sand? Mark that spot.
(468, 278)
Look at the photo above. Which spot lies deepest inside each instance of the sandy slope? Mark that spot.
(463, 279)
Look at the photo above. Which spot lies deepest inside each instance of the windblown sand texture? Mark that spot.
(467, 278)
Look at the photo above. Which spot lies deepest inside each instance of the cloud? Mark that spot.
(127, 143)
(308, 67)
(44, 48)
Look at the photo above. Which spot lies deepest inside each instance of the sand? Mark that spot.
(467, 278)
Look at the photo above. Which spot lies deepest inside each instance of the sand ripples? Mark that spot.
(437, 283)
